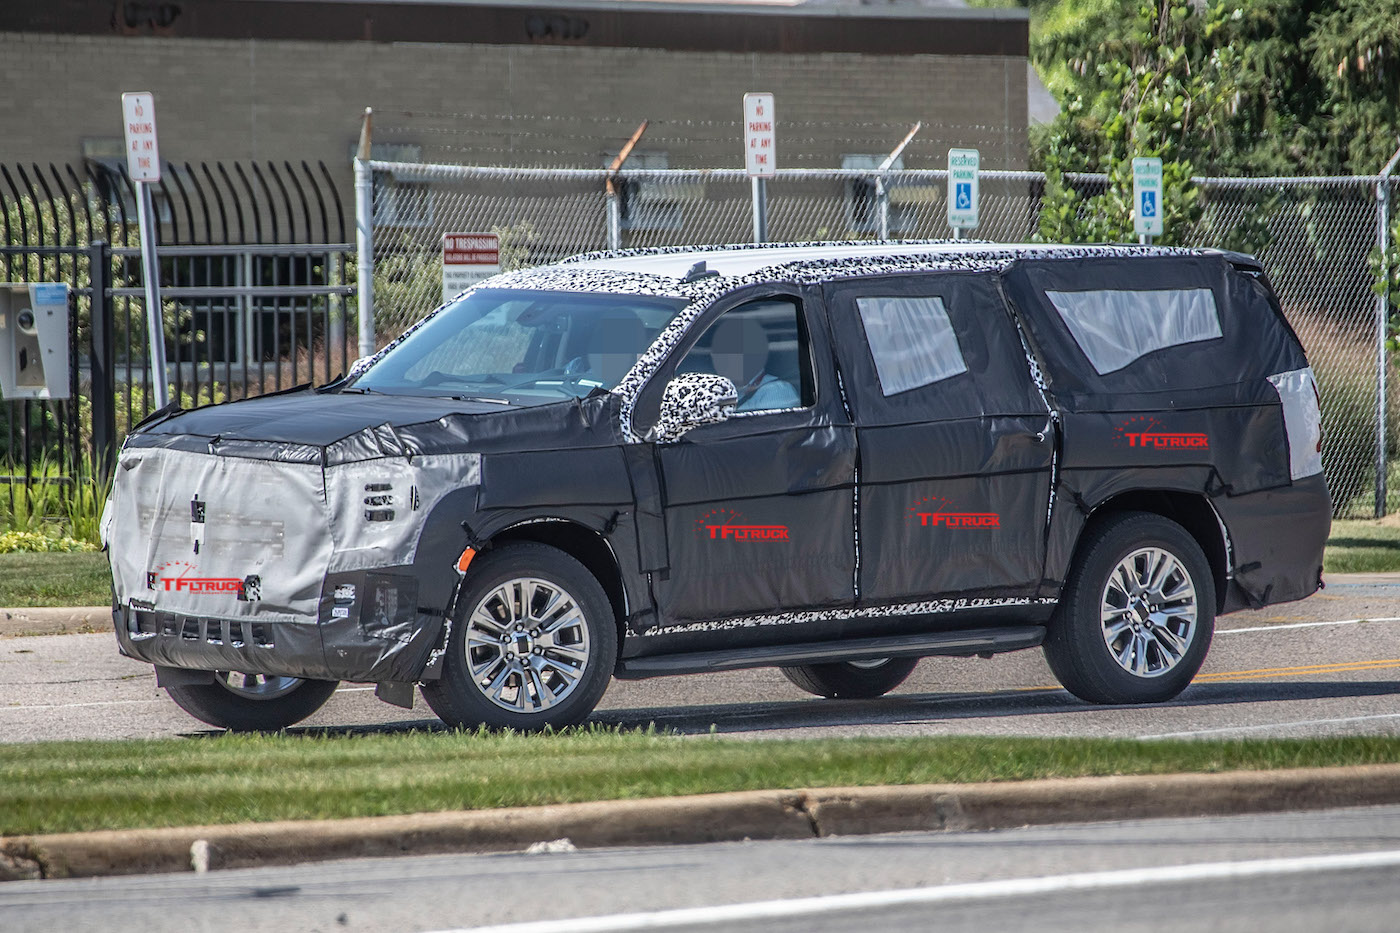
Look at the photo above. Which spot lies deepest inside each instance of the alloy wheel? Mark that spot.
(1148, 612)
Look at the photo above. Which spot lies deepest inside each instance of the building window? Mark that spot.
(652, 203)
(398, 202)
(862, 206)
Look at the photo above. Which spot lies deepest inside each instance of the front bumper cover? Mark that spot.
(378, 634)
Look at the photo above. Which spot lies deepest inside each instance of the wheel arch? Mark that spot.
(1192, 511)
(584, 545)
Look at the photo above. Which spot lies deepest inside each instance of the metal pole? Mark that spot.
(364, 238)
(612, 200)
(882, 188)
(614, 218)
(337, 324)
(103, 362)
(1382, 314)
(882, 207)
(760, 210)
(150, 273)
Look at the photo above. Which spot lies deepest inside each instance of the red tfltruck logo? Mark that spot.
(724, 525)
(937, 512)
(1141, 432)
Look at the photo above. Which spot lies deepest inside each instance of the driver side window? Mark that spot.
(762, 348)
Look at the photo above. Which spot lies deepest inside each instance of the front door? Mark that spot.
(956, 442)
(759, 509)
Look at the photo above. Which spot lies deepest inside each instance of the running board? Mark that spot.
(962, 642)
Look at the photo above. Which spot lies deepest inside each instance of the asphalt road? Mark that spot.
(1304, 668)
(1286, 873)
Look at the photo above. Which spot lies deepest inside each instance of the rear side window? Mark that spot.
(1116, 327)
(912, 342)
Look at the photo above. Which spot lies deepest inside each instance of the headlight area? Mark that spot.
(341, 572)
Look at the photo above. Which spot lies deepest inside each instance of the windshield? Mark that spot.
(522, 347)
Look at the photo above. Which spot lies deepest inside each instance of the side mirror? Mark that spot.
(690, 400)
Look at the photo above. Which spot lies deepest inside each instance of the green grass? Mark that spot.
(71, 786)
(1363, 546)
(30, 580)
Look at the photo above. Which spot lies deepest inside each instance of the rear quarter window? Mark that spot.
(1114, 327)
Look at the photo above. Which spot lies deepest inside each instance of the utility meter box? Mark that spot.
(34, 340)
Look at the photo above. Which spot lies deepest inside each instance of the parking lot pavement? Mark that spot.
(1306, 668)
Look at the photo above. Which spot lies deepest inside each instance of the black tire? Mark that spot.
(845, 680)
(1077, 645)
(266, 705)
(461, 698)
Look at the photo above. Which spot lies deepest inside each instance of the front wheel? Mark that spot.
(253, 702)
(533, 643)
(1137, 613)
(852, 680)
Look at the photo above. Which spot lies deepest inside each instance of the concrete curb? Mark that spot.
(62, 620)
(795, 814)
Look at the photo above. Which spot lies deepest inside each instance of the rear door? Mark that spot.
(955, 441)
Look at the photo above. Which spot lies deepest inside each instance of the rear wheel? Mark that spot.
(1137, 614)
(532, 645)
(852, 680)
(253, 702)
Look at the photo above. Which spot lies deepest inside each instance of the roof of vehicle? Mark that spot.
(746, 259)
(672, 272)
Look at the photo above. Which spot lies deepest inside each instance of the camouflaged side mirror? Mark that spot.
(690, 400)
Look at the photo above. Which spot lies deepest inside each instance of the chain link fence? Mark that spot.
(1315, 236)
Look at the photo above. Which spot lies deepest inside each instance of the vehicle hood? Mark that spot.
(331, 427)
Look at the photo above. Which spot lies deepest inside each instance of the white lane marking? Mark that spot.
(67, 705)
(1272, 725)
(128, 702)
(980, 890)
(1277, 628)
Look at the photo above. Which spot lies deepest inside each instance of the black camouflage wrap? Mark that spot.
(951, 506)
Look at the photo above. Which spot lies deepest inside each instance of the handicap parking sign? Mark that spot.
(964, 196)
(1147, 195)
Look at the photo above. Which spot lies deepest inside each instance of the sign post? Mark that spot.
(467, 258)
(760, 153)
(143, 165)
(1147, 198)
(964, 194)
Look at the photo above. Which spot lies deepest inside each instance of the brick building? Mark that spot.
(504, 82)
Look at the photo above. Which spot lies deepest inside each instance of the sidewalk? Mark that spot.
(58, 620)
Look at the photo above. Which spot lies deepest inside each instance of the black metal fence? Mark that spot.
(254, 273)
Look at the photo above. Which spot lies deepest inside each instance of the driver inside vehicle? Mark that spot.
(618, 339)
(739, 351)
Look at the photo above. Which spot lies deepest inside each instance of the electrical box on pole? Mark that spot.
(34, 348)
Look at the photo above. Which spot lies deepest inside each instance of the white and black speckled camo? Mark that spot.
(693, 399)
(566, 276)
(925, 607)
